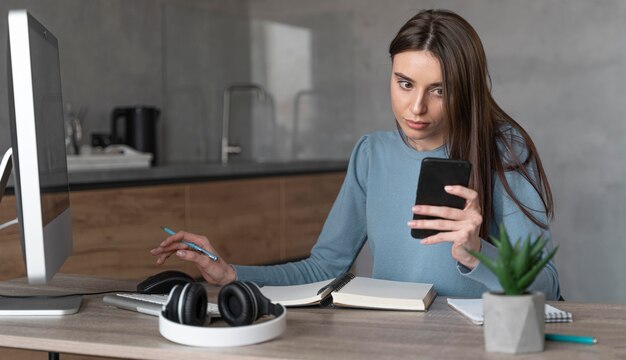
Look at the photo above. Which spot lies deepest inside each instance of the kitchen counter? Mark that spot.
(197, 172)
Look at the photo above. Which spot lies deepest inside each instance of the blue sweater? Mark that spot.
(374, 204)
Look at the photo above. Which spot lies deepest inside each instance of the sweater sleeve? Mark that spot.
(342, 235)
(519, 228)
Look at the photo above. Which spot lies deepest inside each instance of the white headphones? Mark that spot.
(240, 304)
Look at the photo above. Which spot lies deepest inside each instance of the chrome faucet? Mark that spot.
(296, 119)
(226, 147)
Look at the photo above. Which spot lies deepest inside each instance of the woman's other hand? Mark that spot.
(214, 272)
(460, 227)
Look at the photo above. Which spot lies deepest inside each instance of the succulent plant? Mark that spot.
(517, 266)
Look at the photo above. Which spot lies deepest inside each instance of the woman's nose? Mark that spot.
(418, 105)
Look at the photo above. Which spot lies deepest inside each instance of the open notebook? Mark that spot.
(473, 310)
(353, 291)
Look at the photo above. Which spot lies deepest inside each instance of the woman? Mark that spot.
(443, 108)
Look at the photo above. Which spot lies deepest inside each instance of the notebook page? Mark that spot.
(294, 295)
(386, 289)
(473, 310)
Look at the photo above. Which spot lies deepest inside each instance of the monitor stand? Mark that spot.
(40, 305)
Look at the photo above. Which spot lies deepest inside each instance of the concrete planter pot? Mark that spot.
(514, 324)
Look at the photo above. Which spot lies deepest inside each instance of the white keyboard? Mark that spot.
(160, 299)
(150, 304)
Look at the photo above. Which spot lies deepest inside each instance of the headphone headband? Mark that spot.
(224, 336)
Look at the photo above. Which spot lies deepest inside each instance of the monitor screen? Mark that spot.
(38, 143)
(49, 120)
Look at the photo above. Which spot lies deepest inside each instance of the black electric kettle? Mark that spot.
(138, 129)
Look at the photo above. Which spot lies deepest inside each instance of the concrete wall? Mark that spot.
(131, 52)
(558, 67)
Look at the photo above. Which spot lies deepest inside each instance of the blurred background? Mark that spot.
(305, 79)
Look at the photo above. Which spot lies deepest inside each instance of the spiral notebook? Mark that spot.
(473, 310)
(354, 291)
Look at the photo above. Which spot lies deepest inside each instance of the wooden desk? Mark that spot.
(313, 333)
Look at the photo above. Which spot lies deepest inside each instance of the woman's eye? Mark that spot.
(405, 85)
(438, 91)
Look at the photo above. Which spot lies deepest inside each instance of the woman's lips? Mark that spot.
(417, 125)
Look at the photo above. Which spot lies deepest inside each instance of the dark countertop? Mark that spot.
(197, 172)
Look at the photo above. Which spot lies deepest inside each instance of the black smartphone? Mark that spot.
(434, 175)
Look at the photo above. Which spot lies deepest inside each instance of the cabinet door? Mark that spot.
(240, 217)
(308, 200)
(114, 229)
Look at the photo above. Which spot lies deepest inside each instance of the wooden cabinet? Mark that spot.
(113, 229)
(306, 202)
(241, 218)
(249, 221)
(11, 259)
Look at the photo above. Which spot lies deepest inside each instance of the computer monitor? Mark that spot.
(39, 157)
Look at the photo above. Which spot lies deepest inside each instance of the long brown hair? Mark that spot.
(476, 124)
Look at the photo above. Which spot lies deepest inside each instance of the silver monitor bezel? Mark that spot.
(45, 247)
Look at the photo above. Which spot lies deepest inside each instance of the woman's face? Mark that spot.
(417, 98)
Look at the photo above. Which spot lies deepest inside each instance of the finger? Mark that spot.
(458, 238)
(170, 248)
(164, 253)
(454, 237)
(470, 195)
(199, 240)
(161, 259)
(436, 224)
(201, 260)
(183, 235)
(439, 211)
(171, 239)
(437, 238)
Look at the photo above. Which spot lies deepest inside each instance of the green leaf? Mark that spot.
(530, 276)
(506, 251)
(537, 247)
(509, 285)
(521, 261)
(484, 260)
(495, 241)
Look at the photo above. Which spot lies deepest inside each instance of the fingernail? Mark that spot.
(416, 208)
(411, 223)
(423, 241)
(448, 187)
(180, 253)
(162, 244)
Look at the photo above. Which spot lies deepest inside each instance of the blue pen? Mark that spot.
(191, 245)
(572, 338)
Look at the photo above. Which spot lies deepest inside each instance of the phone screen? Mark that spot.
(434, 175)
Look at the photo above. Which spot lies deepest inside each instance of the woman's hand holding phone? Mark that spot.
(446, 210)
(461, 227)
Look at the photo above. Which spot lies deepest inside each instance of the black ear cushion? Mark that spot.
(194, 303)
(171, 308)
(264, 305)
(237, 304)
